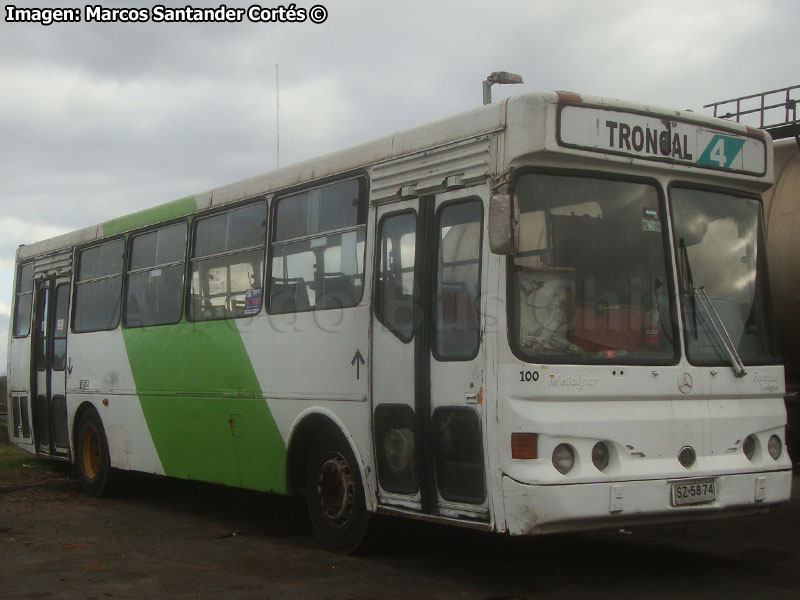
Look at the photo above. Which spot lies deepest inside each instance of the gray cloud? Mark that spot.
(99, 120)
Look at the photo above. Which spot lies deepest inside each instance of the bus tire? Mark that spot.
(335, 494)
(92, 457)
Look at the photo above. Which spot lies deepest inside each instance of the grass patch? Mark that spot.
(12, 460)
(12, 457)
(19, 467)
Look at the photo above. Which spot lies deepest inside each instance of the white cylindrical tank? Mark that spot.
(782, 216)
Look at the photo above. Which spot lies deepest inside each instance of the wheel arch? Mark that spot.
(306, 428)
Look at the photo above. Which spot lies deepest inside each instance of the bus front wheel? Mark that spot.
(94, 464)
(335, 494)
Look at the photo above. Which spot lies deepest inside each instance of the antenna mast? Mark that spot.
(277, 119)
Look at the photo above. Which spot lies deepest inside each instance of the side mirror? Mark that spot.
(503, 224)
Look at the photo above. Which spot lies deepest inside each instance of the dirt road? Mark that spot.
(173, 539)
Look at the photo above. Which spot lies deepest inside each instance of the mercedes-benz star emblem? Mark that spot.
(685, 383)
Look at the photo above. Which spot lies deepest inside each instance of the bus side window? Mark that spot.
(98, 287)
(394, 288)
(458, 276)
(228, 264)
(317, 249)
(23, 301)
(155, 277)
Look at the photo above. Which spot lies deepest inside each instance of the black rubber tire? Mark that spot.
(335, 494)
(91, 456)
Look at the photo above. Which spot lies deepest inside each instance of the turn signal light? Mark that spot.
(525, 446)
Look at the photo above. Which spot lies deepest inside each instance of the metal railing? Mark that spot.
(783, 100)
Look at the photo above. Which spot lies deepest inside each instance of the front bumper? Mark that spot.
(536, 509)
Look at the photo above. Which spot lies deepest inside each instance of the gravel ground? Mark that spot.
(174, 539)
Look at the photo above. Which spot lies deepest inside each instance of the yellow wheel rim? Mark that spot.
(90, 455)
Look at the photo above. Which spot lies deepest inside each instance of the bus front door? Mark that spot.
(49, 368)
(427, 355)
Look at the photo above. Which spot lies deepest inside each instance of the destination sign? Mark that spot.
(659, 138)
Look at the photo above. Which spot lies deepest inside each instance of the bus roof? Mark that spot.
(539, 122)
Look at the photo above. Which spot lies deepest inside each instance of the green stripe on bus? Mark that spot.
(150, 216)
(202, 402)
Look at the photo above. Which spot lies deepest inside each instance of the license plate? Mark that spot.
(694, 492)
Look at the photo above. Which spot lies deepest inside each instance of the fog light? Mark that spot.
(687, 456)
(600, 456)
(563, 458)
(774, 447)
(749, 447)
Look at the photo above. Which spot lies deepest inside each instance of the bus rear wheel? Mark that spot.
(335, 495)
(94, 464)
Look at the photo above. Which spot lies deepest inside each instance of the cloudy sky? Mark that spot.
(101, 119)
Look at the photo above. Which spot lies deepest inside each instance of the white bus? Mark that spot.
(550, 313)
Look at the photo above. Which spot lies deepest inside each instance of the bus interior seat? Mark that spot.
(288, 295)
(199, 307)
(337, 291)
(135, 307)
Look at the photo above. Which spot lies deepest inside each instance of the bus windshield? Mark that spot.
(720, 245)
(589, 283)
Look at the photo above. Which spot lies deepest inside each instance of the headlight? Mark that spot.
(749, 447)
(563, 458)
(600, 456)
(774, 447)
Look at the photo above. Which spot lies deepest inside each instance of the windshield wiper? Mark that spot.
(687, 269)
(698, 296)
(719, 328)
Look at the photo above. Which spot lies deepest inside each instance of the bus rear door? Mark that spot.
(49, 365)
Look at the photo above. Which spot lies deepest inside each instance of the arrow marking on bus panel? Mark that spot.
(358, 360)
